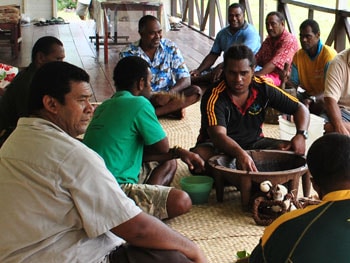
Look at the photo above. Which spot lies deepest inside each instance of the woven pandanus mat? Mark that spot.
(220, 229)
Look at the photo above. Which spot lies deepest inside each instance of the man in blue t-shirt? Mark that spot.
(238, 32)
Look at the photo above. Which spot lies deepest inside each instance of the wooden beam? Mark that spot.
(190, 12)
(248, 12)
(54, 8)
(218, 8)
(331, 36)
(339, 37)
(310, 14)
(212, 18)
(261, 19)
(283, 8)
(316, 7)
(199, 13)
(205, 18)
(341, 4)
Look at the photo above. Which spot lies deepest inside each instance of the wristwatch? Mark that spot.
(313, 99)
(304, 133)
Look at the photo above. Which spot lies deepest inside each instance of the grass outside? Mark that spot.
(68, 15)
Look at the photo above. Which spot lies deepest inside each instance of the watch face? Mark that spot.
(304, 133)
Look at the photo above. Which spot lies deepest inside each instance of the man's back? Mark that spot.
(50, 191)
(337, 85)
(316, 234)
(119, 130)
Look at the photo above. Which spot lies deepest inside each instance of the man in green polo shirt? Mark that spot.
(125, 131)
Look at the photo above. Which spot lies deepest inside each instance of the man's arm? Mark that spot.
(336, 77)
(301, 119)
(148, 232)
(208, 61)
(218, 135)
(266, 69)
(160, 152)
(293, 78)
(181, 84)
(334, 115)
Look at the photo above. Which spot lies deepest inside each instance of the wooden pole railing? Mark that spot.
(208, 17)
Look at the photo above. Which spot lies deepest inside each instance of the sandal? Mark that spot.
(41, 23)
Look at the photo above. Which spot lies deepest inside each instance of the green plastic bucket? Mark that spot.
(198, 187)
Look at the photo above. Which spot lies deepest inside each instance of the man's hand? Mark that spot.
(340, 128)
(194, 161)
(216, 74)
(195, 72)
(245, 162)
(284, 75)
(298, 144)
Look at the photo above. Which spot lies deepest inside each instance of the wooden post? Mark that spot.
(340, 35)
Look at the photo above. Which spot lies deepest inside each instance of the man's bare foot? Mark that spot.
(178, 115)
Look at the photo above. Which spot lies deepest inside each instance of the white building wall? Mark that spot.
(35, 8)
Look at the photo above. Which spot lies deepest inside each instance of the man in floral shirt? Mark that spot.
(171, 82)
(276, 50)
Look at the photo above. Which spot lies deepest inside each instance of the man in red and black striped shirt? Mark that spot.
(233, 112)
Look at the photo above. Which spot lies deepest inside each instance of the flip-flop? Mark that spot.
(41, 23)
(56, 21)
(60, 21)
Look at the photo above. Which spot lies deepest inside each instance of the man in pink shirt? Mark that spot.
(277, 49)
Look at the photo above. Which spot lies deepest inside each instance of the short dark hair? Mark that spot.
(275, 13)
(53, 79)
(328, 160)
(239, 52)
(144, 20)
(44, 45)
(128, 71)
(311, 23)
(237, 5)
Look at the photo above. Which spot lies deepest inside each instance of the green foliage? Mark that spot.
(242, 254)
(66, 4)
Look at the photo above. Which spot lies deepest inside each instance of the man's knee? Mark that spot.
(178, 203)
(204, 151)
(169, 166)
(193, 90)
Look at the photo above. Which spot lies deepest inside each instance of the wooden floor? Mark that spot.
(81, 51)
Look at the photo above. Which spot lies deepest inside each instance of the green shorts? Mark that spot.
(152, 199)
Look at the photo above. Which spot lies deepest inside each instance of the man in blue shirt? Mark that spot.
(238, 32)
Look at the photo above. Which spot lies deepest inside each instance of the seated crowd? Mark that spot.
(102, 198)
